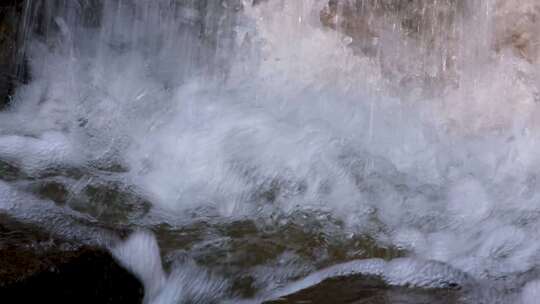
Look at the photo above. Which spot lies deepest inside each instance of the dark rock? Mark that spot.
(360, 289)
(110, 203)
(36, 267)
(8, 171)
(55, 191)
(11, 68)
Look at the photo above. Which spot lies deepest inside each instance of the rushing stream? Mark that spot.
(259, 147)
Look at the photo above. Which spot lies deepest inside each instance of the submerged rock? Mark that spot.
(402, 280)
(365, 289)
(36, 267)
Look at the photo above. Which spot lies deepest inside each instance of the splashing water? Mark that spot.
(412, 124)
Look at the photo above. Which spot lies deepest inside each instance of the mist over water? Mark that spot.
(416, 126)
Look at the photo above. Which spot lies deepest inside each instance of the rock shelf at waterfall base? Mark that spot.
(36, 267)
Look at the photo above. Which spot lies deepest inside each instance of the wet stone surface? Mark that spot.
(252, 254)
(10, 16)
(359, 289)
(9, 172)
(249, 253)
(36, 267)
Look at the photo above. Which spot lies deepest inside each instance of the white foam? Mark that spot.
(140, 254)
(191, 284)
(531, 293)
(186, 283)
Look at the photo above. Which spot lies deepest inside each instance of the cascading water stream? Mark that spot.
(262, 141)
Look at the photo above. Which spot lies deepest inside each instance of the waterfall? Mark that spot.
(411, 122)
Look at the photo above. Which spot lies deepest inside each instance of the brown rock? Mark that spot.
(415, 42)
(516, 27)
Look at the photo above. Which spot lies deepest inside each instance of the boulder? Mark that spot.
(36, 267)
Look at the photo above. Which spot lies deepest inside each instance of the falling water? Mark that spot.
(262, 141)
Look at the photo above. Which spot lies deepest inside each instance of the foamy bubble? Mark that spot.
(468, 201)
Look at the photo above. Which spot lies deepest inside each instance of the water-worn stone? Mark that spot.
(360, 289)
(36, 267)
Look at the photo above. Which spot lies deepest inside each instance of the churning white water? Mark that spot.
(426, 141)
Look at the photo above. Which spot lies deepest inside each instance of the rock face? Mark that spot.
(516, 27)
(414, 41)
(38, 268)
(431, 44)
(11, 12)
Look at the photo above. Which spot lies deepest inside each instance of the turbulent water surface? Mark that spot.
(261, 147)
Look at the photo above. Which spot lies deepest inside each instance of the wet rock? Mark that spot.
(363, 290)
(402, 280)
(430, 45)
(36, 267)
(107, 201)
(11, 12)
(54, 191)
(415, 42)
(516, 27)
(114, 203)
(9, 172)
